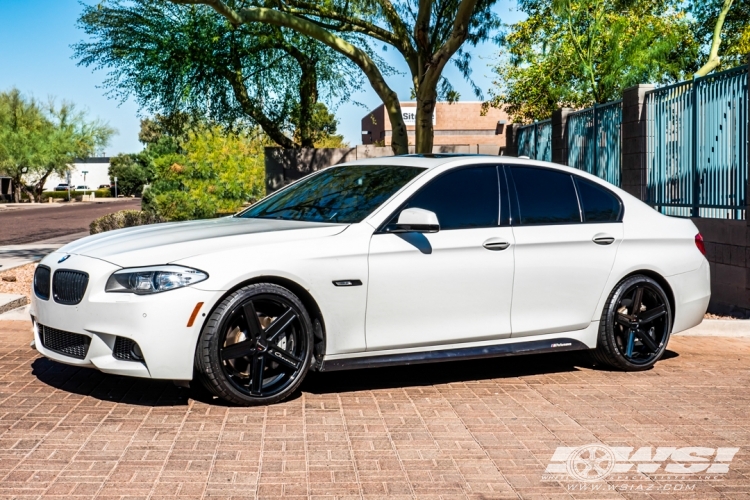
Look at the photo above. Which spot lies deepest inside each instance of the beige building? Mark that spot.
(459, 123)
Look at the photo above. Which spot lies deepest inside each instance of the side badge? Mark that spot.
(63, 259)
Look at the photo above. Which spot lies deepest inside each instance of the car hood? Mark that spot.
(165, 243)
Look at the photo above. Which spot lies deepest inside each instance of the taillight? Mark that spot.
(699, 243)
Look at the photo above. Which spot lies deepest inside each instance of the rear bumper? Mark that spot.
(692, 291)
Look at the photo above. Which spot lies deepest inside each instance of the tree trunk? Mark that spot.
(399, 136)
(39, 186)
(713, 55)
(426, 100)
(308, 97)
(16, 191)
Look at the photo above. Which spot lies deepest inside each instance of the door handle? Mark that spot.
(603, 239)
(495, 244)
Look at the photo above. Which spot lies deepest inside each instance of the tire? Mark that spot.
(257, 361)
(621, 343)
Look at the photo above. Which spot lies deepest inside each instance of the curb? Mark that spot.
(737, 328)
(8, 302)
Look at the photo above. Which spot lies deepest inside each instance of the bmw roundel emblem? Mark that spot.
(63, 259)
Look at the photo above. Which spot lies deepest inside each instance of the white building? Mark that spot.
(96, 173)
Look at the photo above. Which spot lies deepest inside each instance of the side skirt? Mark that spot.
(492, 351)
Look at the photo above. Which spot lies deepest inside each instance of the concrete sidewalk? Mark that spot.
(19, 255)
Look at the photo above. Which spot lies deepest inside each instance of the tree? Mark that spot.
(177, 60)
(724, 22)
(427, 34)
(215, 172)
(37, 140)
(579, 52)
(131, 173)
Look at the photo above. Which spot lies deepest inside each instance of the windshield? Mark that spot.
(339, 194)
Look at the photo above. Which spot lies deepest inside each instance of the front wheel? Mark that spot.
(256, 346)
(635, 325)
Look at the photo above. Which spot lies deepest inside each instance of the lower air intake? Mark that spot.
(69, 344)
(127, 350)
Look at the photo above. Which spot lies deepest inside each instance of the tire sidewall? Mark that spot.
(208, 360)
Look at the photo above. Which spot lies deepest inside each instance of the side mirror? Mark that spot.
(416, 220)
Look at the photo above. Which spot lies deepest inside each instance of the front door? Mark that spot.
(447, 287)
(566, 232)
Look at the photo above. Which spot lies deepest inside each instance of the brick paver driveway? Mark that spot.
(464, 430)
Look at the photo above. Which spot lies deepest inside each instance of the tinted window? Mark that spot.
(545, 196)
(461, 199)
(597, 203)
(339, 194)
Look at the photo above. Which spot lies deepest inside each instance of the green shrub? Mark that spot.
(216, 173)
(63, 195)
(123, 218)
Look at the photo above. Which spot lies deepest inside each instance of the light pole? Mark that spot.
(115, 188)
(84, 181)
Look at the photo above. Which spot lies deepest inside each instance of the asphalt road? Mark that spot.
(29, 223)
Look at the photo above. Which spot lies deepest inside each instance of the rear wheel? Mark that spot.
(256, 347)
(635, 325)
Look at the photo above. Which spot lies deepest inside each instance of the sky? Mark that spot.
(36, 57)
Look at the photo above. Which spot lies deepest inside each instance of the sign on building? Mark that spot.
(410, 115)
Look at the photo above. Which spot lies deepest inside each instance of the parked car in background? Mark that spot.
(83, 188)
(62, 187)
(105, 186)
(380, 262)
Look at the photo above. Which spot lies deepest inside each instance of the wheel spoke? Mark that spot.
(253, 323)
(623, 320)
(637, 301)
(656, 312)
(280, 324)
(647, 340)
(238, 350)
(283, 357)
(257, 376)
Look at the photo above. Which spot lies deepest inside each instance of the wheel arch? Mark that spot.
(662, 283)
(311, 305)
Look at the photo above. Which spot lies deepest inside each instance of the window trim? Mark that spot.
(381, 228)
(574, 178)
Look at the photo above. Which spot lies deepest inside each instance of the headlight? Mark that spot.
(145, 280)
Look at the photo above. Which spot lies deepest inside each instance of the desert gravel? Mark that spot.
(24, 276)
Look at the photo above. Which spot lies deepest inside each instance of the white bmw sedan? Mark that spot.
(388, 261)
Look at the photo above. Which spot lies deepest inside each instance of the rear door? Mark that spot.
(567, 231)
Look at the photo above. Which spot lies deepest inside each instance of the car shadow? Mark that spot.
(105, 387)
(155, 393)
(444, 373)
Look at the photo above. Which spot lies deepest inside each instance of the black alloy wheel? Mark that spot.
(635, 325)
(256, 347)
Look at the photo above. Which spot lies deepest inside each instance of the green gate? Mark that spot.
(697, 146)
(594, 140)
(535, 140)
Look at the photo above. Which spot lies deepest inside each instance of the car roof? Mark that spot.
(430, 161)
(438, 159)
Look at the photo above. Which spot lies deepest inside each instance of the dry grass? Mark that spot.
(717, 316)
(24, 276)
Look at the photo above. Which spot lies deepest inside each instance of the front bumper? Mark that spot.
(157, 323)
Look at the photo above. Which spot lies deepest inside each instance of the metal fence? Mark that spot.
(594, 140)
(697, 146)
(535, 140)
